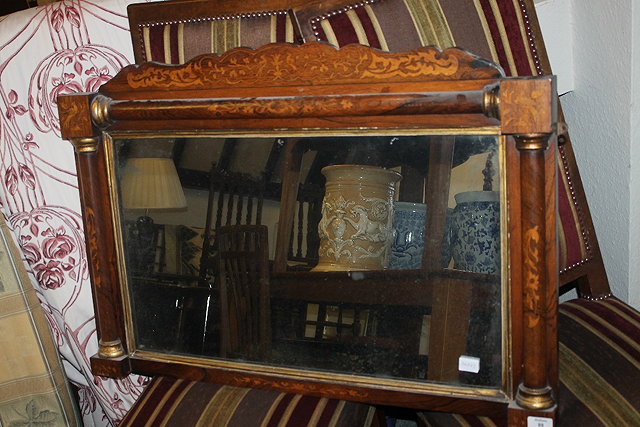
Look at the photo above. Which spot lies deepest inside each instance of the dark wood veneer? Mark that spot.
(470, 97)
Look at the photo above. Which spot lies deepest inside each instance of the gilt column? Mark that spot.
(77, 127)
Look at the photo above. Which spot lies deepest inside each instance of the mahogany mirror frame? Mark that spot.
(315, 86)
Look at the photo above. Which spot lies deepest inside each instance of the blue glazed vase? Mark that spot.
(475, 232)
(408, 222)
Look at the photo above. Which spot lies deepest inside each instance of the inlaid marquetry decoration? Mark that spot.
(75, 122)
(91, 234)
(533, 248)
(313, 106)
(313, 62)
(522, 113)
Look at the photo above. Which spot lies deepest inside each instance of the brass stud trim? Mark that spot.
(562, 132)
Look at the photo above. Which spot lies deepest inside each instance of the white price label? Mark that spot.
(469, 364)
(539, 422)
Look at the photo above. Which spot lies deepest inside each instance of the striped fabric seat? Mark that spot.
(599, 344)
(599, 363)
(599, 377)
(168, 402)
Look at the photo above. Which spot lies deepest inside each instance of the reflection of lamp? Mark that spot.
(149, 183)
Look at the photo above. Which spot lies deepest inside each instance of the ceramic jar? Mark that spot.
(356, 229)
(409, 220)
(475, 232)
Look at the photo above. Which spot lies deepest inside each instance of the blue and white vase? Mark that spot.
(475, 232)
(408, 222)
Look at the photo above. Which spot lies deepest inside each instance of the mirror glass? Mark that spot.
(378, 254)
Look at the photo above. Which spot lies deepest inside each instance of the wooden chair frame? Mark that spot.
(243, 282)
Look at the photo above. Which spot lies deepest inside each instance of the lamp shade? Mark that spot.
(151, 183)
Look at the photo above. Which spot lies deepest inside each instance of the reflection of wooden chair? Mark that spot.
(234, 199)
(304, 240)
(243, 279)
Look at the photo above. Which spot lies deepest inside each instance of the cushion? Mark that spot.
(33, 386)
(375, 23)
(173, 402)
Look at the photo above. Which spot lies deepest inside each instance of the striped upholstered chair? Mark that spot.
(599, 336)
(175, 31)
(172, 402)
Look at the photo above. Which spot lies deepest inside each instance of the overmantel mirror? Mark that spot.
(350, 223)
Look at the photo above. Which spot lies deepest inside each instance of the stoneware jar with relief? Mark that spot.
(356, 229)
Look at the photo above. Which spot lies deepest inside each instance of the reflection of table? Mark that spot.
(452, 298)
(170, 316)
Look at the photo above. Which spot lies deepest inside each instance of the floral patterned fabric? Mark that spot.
(64, 47)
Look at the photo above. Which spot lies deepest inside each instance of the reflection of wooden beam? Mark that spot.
(410, 288)
(178, 150)
(452, 298)
(199, 180)
(367, 287)
(272, 161)
(227, 154)
(412, 185)
(437, 197)
(191, 178)
(449, 327)
(290, 183)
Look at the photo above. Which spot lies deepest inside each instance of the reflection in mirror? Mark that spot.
(329, 253)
